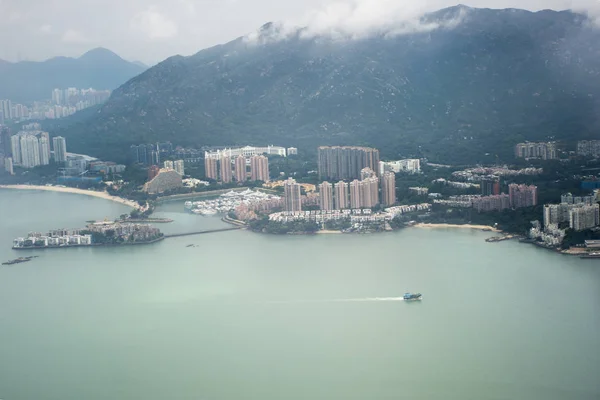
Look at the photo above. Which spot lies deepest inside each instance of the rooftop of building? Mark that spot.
(348, 147)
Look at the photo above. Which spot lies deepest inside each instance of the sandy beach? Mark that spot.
(465, 226)
(325, 231)
(102, 195)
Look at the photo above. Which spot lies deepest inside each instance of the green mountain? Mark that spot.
(479, 83)
(99, 68)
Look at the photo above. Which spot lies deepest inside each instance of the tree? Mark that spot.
(135, 214)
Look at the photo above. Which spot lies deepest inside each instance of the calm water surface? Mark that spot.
(247, 316)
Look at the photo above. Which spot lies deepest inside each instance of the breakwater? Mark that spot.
(235, 228)
(233, 221)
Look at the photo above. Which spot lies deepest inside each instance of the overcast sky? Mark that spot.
(152, 30)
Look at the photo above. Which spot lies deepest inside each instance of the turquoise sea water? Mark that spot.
(248, 316)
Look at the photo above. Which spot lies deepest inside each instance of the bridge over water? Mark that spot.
(234, 228)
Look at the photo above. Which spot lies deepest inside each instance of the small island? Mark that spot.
(104, 233)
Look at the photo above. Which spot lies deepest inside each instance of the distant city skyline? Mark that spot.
(60, 103)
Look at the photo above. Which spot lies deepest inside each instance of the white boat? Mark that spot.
(188, 205)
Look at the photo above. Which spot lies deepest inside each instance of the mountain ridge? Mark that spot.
(495, 78)
(27, 81)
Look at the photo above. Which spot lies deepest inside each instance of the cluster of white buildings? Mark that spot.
(581, 212)
(585, 217)
(588, 148)
(248, 200)
(355, 215)
(125, 231)
(57, 239)
(519, 196)
(10, 111)
(193, 183)
(410, 165)
(551, 236)
(481, 173)
(541, 150)
(462, 201)
(64, 102)
(79, 97)
(32, 148)
(457, 185)
(249, 151)
(177, 166)
(319, 215)
(478, 202)
(419, 191)
(399, 210)
(568, 198)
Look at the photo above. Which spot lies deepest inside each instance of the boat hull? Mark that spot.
(412, 296)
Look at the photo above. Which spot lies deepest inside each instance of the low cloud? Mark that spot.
(153, 30)
(589, 7)
(355, 19)
(46, 29)
(73, 36)
(154, 24)
(359, 18)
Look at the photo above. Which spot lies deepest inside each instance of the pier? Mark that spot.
(501, 238)
(234, 228)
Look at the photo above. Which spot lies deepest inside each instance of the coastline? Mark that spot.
(465, 226)
(93, 193)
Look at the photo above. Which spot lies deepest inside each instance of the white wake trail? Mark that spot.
(356, 300)
(370, 299)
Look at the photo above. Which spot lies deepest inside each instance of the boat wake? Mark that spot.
(372, 299)
(356, 300)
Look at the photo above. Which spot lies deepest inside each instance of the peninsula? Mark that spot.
(95, 234)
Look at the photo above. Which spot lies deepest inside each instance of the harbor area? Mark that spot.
(231, 200)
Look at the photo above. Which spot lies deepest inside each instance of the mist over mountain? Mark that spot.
(455, 85)
(140, 64)
(98, 68)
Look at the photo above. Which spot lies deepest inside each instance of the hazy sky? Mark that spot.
(151, 30)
